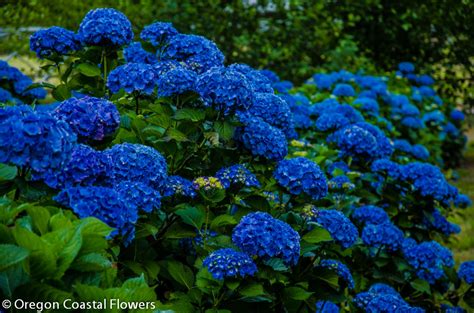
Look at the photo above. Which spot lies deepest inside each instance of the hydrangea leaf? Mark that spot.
(11, 255)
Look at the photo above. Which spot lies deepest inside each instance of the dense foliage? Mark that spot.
(210, 188)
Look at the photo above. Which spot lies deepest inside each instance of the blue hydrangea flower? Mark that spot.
(158, 33)
(105, 27)
(53, 40)
(178, 186)
(139, 195)
(5, 95)
(451, 130)
(258, 81)
(344, 90)
(427, 92)
(367, 104)
(428, 259)
(21, 85)
(406, 67)
(300, 175)
(457, 115)
(283, 86)
(273, 110)
(263, 140)
(162, 67)
(381, 298)
(324, 81)
(202, 236)
(259, 234)
(402, 145)
(341, 270)
(412, 122)
(370, 214)
(138, 163)
(176, 81)
(34, 140)
(462, 201)
(340, 165)
(466, 272)
(229, 263)
(326, 307)
(338, 225)
(92, 119)
(341, 182)
(354, 140)
(425, 80)
(133, 77)
(225, 89)
(271, 75)
(420, 152)
(384, 235)
(103, 203)
(199, 53)
(451, 309)
(331, 121)
(237, 175)
(440, 223)
(434, 117)
(135, 53)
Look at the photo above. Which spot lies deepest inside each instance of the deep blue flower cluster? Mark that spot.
(178, 186)
(445, 308)
(263, 140)
(392, 169)
(441, 224)
(259, 234)
(457, 115)
(258, 81)
(133, 77)
(428, 259)
(341, 270)
(385, 235)
(5, 95)
(338, 225)
(370, 214)
(137, 163)
(225, 89)
(368, 105)
(199, 53)
(237, 175)
(326, 307)
(381, 298)
(301, 175)
(229, 263)
(92, 119)
(20, 82)
(104, 203)
(356, 141)
(34, 140)
(139, 195)
(176, 82)
(54, 41)
(434, 117)
(135, 53)
(341, 182)
(466, 272)
(106, 28)
(406, 67)
(331, 121)
(158, 33)
(344, 90)
(462, 201)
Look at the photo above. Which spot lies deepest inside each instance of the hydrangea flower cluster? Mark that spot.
(10, 75)
(54, 41)
(385, 235)
(133, 77)
(229, 263)
(178, 186)
(337, 224)
(92, 119)
(259, 82)
(176, 82)
(440, 223)
(370, 214)
(135, 53)
(466, 272)
(341, 269)
(139, 195)
(158, 33)
(326, 307)
(343, 90)
(137, 163)
(383, 298)
(259, 234)
(106, 28)
(340, 182)
(237, 175)
(331, 121)
(301, 175)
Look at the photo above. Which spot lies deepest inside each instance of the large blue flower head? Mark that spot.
(427, 179)
(34, 140)
(384, 146)
(391, 168)
(259, 234)
(420, 152)
(137, 163)
(283, 86)
(425, 80)
(258, 81)
(158, 33)
(271, 75)
(106, 28)
(199, 53)
(370, 214)
(412, 122)
(462, 201)
(92, 119)
(273, 110)
(176, 82)
(237, 175)
(466, 272)
(54, 41)
(406, 67)
(103, 203)
(324, 81)
(302, 116)
(341, 270)
(368, 105)
(139, 195)
(457, 115)
(5, 95)
(428, 259)
(225, 89)
(21, 85)
(228, 262)
(326, 307)
(84, 167)
(341, 182)
(385, 235)
(301, 175)
(262, 139)
(133, 77)
(179, 187)
(434, 117)
(344, 90)
(135, 53)
(381, 298)
(331, 121)
(402, 145)
(446, 308)
(338, 225)
(355, 141)
(451, 130)
(441, 224)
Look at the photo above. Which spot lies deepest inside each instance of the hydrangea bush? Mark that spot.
(164, 175)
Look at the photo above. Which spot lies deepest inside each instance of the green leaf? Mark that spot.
(92, 262)
(181, 273)
(224, 129)
(173, 133)
(88, 69)
(61, 93)
(318, 234)
(11, 255)
(206, 283)
(192, 216)
(40, 217)
(94, 226)
(223, 220)
(189, 114)
(277, 264)
(297, 293)
(421, 285)
(252, 290)
(7, 172)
